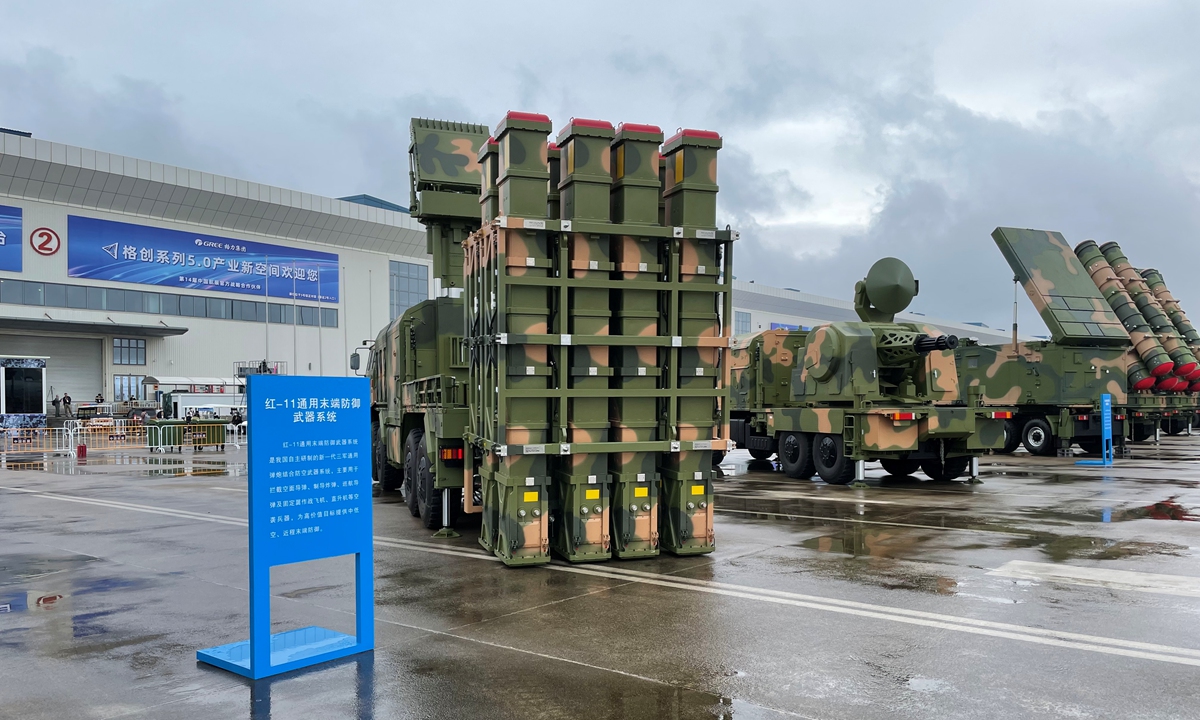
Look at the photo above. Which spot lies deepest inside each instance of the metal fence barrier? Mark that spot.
(36, 440)
(122, 434)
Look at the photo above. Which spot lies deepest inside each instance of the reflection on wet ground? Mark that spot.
(117, 463)
(795, 557)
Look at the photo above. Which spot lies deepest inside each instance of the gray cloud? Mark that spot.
(852, 130)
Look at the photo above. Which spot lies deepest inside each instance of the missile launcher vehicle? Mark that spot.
(1105, 338)
(828, 400)
(569, 381)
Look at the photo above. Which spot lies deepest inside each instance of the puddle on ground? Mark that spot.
(1061, 548)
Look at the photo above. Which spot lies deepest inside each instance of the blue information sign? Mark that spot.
(11, 240)
(310, 498)
(108, 250)
(1106, 435)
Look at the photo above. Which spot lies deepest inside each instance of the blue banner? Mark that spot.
(107, 250)
(10, 238)
(310, 498)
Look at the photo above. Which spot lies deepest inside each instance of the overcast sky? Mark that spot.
(852, 130)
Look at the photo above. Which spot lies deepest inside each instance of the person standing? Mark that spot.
(57, 410)
(66, 401)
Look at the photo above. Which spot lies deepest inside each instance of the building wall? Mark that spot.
(211, 346)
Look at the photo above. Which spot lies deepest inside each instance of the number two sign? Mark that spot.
(44, 241)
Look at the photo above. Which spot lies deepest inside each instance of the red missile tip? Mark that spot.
(1194, 375)
(1163, 369)
(1195, 387)
(1185, 369)
(638, 127)
(518, 115)
(1166, 384)
(1144, 384)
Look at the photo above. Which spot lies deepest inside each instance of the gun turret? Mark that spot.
(926, 344)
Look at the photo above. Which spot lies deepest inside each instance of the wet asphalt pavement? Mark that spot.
(1050, 590)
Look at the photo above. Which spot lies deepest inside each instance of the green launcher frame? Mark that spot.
(597, 341)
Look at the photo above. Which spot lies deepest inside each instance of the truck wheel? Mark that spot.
(829, 457)
(429, 500)
(1012, 437)
(1174, 426)
(388, 477)
(415, 437)
(950, 469)
(1142, 431)
(761, 454)
(795, 455)
(1090, 445)
(1037, 437)
(899, 468)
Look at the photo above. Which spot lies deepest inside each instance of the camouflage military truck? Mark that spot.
(1104, 339)
(569, 381)
(827, 401)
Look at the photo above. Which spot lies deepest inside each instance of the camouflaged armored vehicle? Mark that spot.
(828, 400)
(1107, 336)
(567, 382)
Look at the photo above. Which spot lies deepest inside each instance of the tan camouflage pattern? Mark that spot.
(1170, 305)
(1144, 340)
(1059, 287)
(1043, 373)
(1186, 364)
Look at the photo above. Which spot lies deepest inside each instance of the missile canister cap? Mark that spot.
(585, 127)
(1163, 368)
(516, 120)
(637, 131)
(694, 138)
(1144, 384)
(1186, 368)
(890, 285)
(1195, 387)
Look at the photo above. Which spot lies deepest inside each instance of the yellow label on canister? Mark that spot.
(531, 496)
(679, 166)
(591, 494)
(641, 492)
(697, 489)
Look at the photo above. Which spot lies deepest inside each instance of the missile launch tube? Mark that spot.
(1138, 376)
(1185, 361)
(1154, 280)
(1145, 342)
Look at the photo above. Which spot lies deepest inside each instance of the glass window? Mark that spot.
(76, 296)
(129, 351)
(95, 298)
(185, 305)
(151, 302)
(741, 323)
(329, 317)
(133, 301)
(114, 299)
(128, 387)
(408, 284)
(35, 294)
(283, 314)
(23, 390)
(10, 291)
(308, 315)
(56, 295)
(198, 309)
(218, 308)
(170, 304)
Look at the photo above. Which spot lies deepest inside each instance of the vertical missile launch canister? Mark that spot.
(1186, 365)
(1146, 346)
(597, 335)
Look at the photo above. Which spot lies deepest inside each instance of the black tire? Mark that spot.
(951, 469)
(1142, 431)
(829, 458)
(1038, 438)
(1174, 426)
(795, 455)
(761, 454)
(1012, 437)
(415, 437)
(899, 468)
(387, 477)
(1090, 445)
(429, 498)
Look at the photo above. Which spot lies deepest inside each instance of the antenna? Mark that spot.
(1015, 281)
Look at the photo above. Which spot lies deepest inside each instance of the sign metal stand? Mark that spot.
(310, 498)
(1106, 439)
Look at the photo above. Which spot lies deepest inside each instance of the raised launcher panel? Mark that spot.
(1060, 288)
(598, 336)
